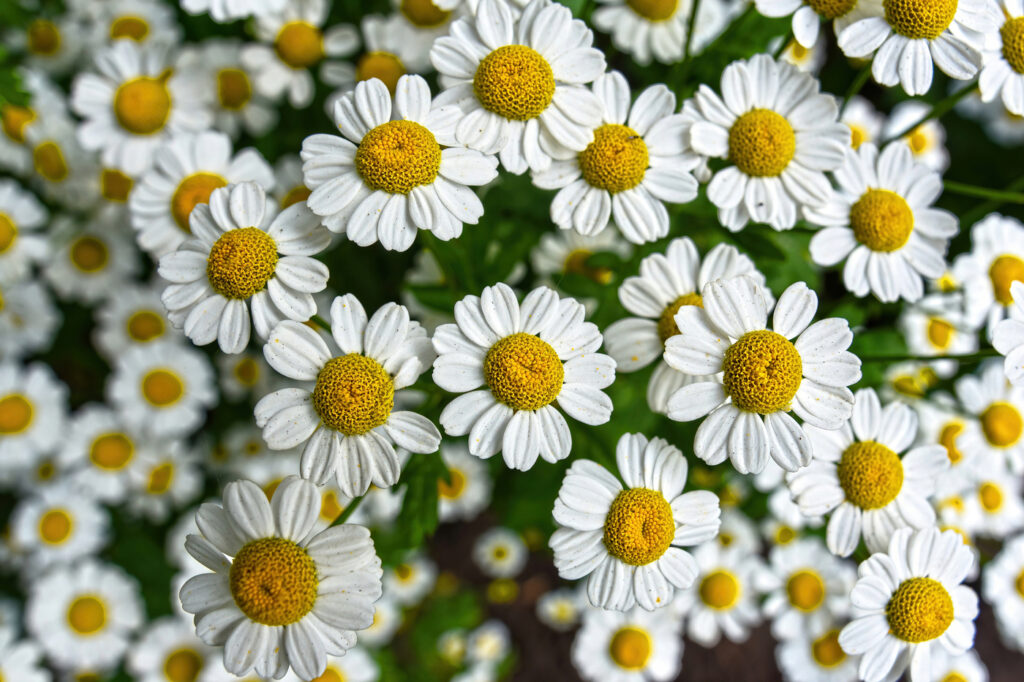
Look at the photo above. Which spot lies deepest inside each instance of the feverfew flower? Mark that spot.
(809, 14)
(637, 646)
(500, 553)
(658, 28)
(33, 411)
(1009, 337)
(994, 438)
(989, 269)
(21, 215)
(816, 656)
(1003, 72)
(927, 141)
(764, 375)
(1003, 588)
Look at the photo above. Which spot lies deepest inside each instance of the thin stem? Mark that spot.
(856, 86)
(988, 206)
(983, 192)
(969, 357)
(937, 110)
(320, 322)
(348, 511)
(690, 23)
(786, 40)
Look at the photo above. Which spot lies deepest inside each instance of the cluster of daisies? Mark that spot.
(184, 372)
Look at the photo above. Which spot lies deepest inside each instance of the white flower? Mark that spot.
(347, 420)
(28, 319)
(634, 164)
(500, 553)
(19, 659)
(527, 357)
(637, 646)
(287, 597)
(994, 439)
(627, 541)
(63, 171)
(98, 452)
(1003, 71)
(165, 478)
(943, 423)
(864, 120)
(91, 262)
(390, 175)
(409, 582)
(186, 170)
(468, 489)
(1008, 337)
(46, 101)
(144, 22)
(764, 374)
(779, 134)
(243, 256)
(1003, 589)
(50, 45)
(169, 651)
(816, 656)
(993, 507)
(858, 475)
(927, 141)
(908, 35)
(387, 618)
(418, 23)
(33, 411)
(907, 601)
(517, 82)
(965, 667)
(808, 15)
(666, 283)
(657, 28)
(21, 215)
(225, 11)
(560, 608)
(384, 43)
(134, 317)
(60, 524)
(989, 269)
(882, 222)
(937, 326)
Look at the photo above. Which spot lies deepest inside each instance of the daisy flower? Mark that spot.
(779, 134)
(20, 659)
(243, 255)
(500, 553)
(21, 215)
(286, 598)
(567, 252)
(657, 29)
(50, 44)
(937, 326)
(808, 15)
(45, 100)
(518, 82)
(785, 522)
(636, 646)
(164, 388)
(347, 420)
(245, 375)
(816, 656)
(409, 582)
(527, 356)
(389, 174)
(355, 666)
(993, 507)
(135, 317)
(907, 601)
(994, 263)
(627, 540)
(28, 319)
(467, 491)
(84, 615)
(809, 60)
(858, 475)
(666, 283)
(994, 437)
(488, 644)
(63, 171)
(60, 524)
(144, 22)
(226, 11)
(1008, 337)
(764, 374)
(387, 618)
(864, 121)
(98, 452)
(297, 42)
(560, 609)
(882, 222)
(807, 588)
(908, 36)
(419, 23)
(965, 667)
(168, 651)
(381, 58)
(927, 141)
(33, 411)
(134, 104)
(185, 172)
(1003, 589)
(164, 479)
(1003, 70)
(940, 422)
(634, 165)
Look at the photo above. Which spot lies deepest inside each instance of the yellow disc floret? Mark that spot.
(576, 263)
(384, 66)
(826, 650)
(43, 38)
(1002, 424)
(111, 451)
(761, 143)
(398, 156)
(881, 220)
(1019, 583)
(55, 526)
(183, 665)
(134, 28)
(299, 44)
(89, 254)
(1012, 33)
(523, 371)
(947, 438)
(919, 610)
(8, 232)
(424, 13)
(667, 327)
(630, 648)
(720, 590)
(142, 105)
(919, 19)
(241, 262)
(87, 615)
(294, 196)
(14, 120)
(115, 185)
(515, 82)
(144, 325)
(16, 414)
(831, 9)
(991, 497)
(639, 527)
(805, 589)
(858, 135)
(353, 394)
(654, 10)
(49, 162)
(193, 190)
(940, 333)
(162, 387)
(233, 89)
(452, 490)
(616, 160)
(1004, 271)
(762, 372)
(870, 474)
(274, 581)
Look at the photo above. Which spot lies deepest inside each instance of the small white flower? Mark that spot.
(33, 411)
(1003, 589)
(28, 319)
(20, 659)
(937, 326)
(134, 317)
(500, 553)
(21, 215)
(468, 489)
(927, 141)
(165, 478)
(60, 524)
(993, 507)
(143, 22)
(988, 271)
(1003, 71)
(91, 262)
(808, 15)
(409, 582)
(657, 28)
(995, 438)
(637, 646)
(864, 121)
(816, 656)
(169, 651)
(560, 609)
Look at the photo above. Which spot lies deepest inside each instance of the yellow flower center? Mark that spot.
(639, 527)
(515, 82)
(55, 526)
(917, 140)
(299, 44)
(858, 136)
(831, 9)
(145, 325)
(193, 190)
(761, 143)
(1002, 424)
(1019, 583)
(142, 105)
(576, 263)
(453, 490)
(870, 474)
(294, 196)
(990, 496)
(160, 479)
(45, 472)
(89, 254)
(1012, 33)
(919, 610)
(330, 506)
(183, 665)
(654, 10)
(954, 677)
(667, 327)
(424, 13)
(331, 674)
(14, 120)
(784, 535)
(233, 89)
(940, 333)
(404, 572)
(806, 590)
(917, 19)
(523, 371)
(43, 38)
(49, 161)
(247, 371)
(241, 262)
(881, 220)
(616, 160)
(87, 615)
(386, 67)
(134, 28)
(719, 590)
(762, 372)
(353, 394)
(502, 591)
(115, 185)
(274, 581)
(16, 413)
(947, 438)
(1003, 272)
(630, 648)
(826, 650)
(111, 451)
(398, 156)
(8, 232)
(162, 387)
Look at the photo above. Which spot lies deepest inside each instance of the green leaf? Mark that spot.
(418, 518)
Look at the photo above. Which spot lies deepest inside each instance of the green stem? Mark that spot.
(987, 207)
(969, 357)
(349, 509)
(684, 66)
(320, 322)
(787, 38)
(691, 22)
(983, 192)
(856, 86)
(937, 110)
